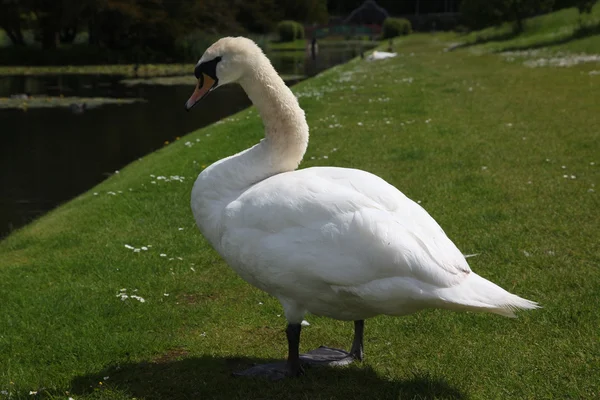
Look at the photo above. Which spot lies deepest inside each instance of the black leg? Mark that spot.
(321, 356)
(357, 344)
(281, 370)
(293, 361)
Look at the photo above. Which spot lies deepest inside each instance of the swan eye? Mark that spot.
(206, 73)
(208, 67)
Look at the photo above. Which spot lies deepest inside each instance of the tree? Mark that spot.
(214, 16)
(307, 11)
(148, 26)
(584, 7)
(10, 20)
(259, 16)
(342, 8)
(50, 16)
(518, 10)
(479, 14)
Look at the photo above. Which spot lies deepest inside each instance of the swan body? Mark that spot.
(337, 242)
(345, 244)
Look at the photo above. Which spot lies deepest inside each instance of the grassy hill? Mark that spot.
(558, 31)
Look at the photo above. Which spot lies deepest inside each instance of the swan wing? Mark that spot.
(336, 227)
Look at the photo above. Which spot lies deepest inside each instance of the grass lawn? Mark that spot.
(505, 157)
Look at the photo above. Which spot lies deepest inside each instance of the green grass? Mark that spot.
(557, 31)
(482, 143)
(302, 44)
(144, 70)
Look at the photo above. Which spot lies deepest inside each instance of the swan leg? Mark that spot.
(356, 350)
(280, 370)
(294, 368)
(334, 357)
(321, 356)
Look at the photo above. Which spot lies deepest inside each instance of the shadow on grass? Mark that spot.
(210, 378)
(500, 37)
(579, 33)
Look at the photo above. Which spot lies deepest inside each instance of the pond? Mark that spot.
(50, 155)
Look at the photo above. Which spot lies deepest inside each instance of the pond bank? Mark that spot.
(128, 70)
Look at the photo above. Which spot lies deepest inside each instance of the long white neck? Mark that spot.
(286, 131)
(286, 139)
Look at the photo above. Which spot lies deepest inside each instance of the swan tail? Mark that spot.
(479, 294)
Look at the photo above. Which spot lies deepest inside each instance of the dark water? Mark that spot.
(49, 156)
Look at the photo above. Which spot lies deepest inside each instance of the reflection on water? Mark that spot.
(49, 156)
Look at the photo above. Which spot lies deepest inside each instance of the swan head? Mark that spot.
(226, 61)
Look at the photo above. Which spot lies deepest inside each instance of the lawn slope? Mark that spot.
(563, 30)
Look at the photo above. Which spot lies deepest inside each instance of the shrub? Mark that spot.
(290, 31)
(393, 27)
(479, 14)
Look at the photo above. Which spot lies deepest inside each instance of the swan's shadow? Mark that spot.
(210, 377)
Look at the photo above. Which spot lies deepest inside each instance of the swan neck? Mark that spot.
(286, 130)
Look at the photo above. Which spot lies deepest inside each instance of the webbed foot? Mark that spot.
(327, 356)
(323, 356)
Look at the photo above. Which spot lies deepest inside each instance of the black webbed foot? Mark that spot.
(327, 356)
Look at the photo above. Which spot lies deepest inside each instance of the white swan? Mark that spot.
(337, 242)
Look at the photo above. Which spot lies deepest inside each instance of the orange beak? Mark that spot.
(204, 86)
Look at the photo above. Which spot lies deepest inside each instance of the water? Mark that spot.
(48, 156)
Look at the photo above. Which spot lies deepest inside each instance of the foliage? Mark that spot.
(290, 31)
(146, 29)
(396, 7)
(258, 16)
(192, 45)
(585, 6)
(393, 27)
(305, 11)
(10, 21)
(83, 54)
(479, 14)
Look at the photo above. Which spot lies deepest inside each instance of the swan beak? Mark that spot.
(205, 85)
